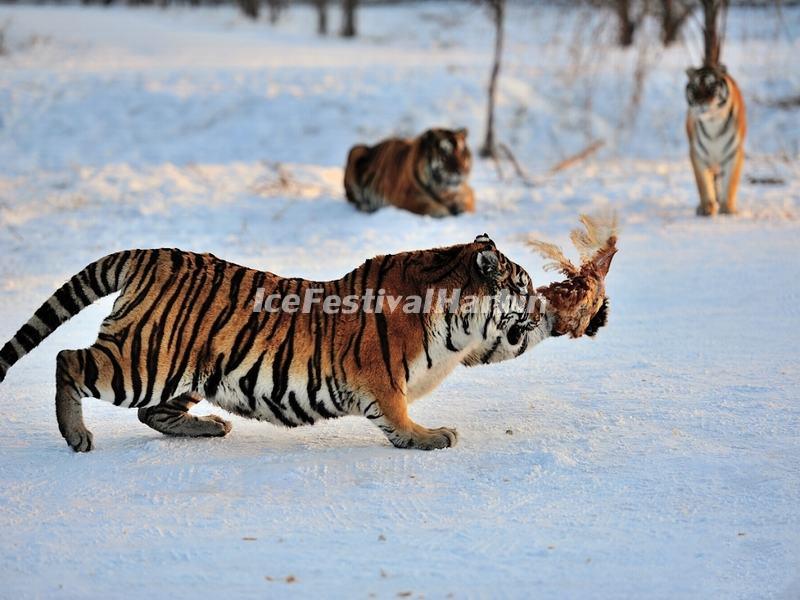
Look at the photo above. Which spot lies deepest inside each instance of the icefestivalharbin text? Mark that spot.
(433, 301)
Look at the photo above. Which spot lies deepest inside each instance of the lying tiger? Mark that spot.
(425, 175)
(716, 126)
(186, 327)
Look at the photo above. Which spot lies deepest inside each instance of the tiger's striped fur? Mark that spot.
(425, 175)
(716, 127)
(183, 328)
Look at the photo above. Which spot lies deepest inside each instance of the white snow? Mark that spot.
(659, 460)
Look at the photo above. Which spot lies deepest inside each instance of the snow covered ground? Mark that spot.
(659, 460)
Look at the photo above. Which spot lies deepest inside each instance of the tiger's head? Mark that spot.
(707, 89)
(510, 318)
(446, 156)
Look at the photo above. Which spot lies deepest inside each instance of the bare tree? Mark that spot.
(249, 8)
(629, 13)
(627, 24)
(673, 15)
(497, 8)
(3, 31)
(322, 16)
(713, 30)
(275, 9)
(349, 18)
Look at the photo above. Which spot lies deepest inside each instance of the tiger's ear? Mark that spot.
(462, 132)
(488, 265)
(429, 138)
(484, 238)
(723, 69)
(691, 72)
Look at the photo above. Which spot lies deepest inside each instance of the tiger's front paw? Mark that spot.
(80, 440)
(456, 209)
(707, 210)
(443, 437)
(438, 211)
(430, 439)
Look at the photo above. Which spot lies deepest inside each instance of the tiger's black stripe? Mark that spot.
(381, 325)
(364, 278)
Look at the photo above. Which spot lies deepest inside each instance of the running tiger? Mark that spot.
(425, 175)
(191, 326)
(715, 124)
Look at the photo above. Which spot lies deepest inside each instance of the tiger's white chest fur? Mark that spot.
(428, 370)
(423, 379)
(715, 137)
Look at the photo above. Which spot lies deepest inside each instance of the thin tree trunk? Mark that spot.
(322, 16)
(249, 8)
(713, 16)
(627, 26)
(489, 148)
(275, 7)
(349, 18)
(674, 14)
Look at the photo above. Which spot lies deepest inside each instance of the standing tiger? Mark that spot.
(426, 175)
(715, 124)
(191, 326)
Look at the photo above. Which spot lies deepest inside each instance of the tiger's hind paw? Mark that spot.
(169, 420)
(223, 427)
(191, 426)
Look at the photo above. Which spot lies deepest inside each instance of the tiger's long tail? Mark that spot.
(98, 279)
